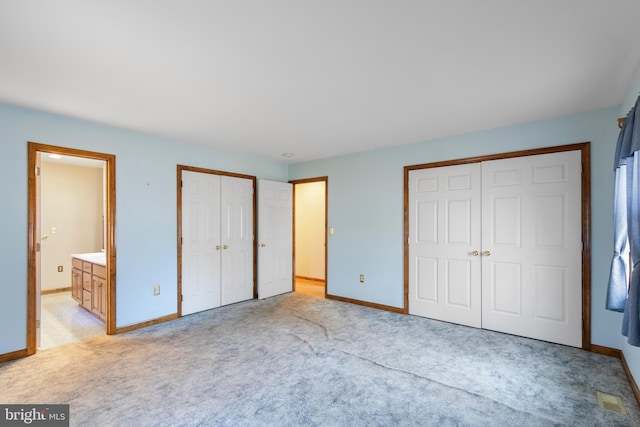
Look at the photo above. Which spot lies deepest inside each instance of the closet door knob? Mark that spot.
(225, 247)
(262, 245)
(475, 253)
(486, 253)
(217, 247)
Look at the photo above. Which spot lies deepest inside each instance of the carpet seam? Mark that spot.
(442, 384)
(326, 332)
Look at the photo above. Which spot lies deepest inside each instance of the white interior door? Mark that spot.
(237, 239)
(532, 267)
(444, 232)
(275, 238)
(38, 251)
(523, 217)
(200, 242)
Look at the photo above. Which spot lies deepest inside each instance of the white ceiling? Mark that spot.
(316, 78)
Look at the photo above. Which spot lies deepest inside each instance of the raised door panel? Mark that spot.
(96, 295)
(532, 273)
(86, 281)
(444, 232)
(99, 293)
(275, 236)
(86, 299)
(237, 239)
(76, 284)
(102, 313)
(200, 241)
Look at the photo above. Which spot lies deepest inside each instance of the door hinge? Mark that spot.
(38, 324)
(37, 170)
(38, 247)
(181, 298)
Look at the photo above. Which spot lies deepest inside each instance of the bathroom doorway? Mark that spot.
(71, 212)
(310, 236)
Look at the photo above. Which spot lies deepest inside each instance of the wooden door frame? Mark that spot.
(324, 179)
(179, 170)
(585, 149)
(33, 149)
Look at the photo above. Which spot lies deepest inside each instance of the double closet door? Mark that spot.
(498, 245)
(217, 240)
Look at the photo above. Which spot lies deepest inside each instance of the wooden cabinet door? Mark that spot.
(102, 290)
(86, 290)
(99, 297)
(95, 295)
(76, 285)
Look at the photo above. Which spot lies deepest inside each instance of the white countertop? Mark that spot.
(99, 258)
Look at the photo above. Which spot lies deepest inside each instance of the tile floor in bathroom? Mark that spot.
(63, 321)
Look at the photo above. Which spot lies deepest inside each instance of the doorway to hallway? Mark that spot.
(310, 236)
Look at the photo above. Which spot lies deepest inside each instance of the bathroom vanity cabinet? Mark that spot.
(89, 282)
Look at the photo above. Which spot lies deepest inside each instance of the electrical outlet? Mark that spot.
(156, 290)
(59, 269)
(362, 278)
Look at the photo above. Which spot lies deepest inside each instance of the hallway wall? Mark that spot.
(310, 230)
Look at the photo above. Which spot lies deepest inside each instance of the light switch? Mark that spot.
(330, 231)
(54, 230)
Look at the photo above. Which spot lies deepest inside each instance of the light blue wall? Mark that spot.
(365, 208)
(631, 354)
(366, 205)
(145, 210)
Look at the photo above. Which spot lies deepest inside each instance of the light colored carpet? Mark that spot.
(297, 360)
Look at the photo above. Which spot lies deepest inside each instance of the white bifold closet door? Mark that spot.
(217, 240)
(444, 230)
(498, 245)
